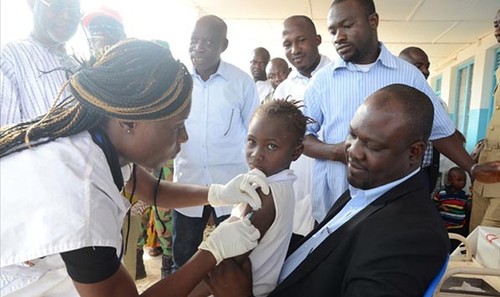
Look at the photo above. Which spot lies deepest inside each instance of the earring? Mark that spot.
(128, 131)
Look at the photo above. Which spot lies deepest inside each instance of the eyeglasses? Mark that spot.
(62, 6)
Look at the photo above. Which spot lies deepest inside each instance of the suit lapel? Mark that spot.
(332, 241)
(334, 210)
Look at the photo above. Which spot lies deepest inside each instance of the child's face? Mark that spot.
(270, 147)
(457, 181)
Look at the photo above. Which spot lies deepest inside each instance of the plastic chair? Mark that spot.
(466, 246)
(436, 281)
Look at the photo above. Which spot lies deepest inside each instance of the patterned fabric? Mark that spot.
(163, 227)
(453, 206)
(26, 91)
(331, 99)
(427, 160)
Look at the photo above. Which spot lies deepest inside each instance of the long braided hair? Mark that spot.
(135, 80)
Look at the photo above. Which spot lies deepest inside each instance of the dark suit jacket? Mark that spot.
(394, 247)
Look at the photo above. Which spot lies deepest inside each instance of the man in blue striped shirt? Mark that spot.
(334, 94)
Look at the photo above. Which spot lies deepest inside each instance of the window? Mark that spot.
(462, 97)
(437, 86)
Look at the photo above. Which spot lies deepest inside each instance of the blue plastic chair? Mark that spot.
(434, 283)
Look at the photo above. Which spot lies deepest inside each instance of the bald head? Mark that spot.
(278, 63)
(214, 23)
(300, 42)
(418, 58)
(262, 52)
(208, 42)
(301, 20)
(411, 106)
(258, 64)
(392, 126)
(277, 71)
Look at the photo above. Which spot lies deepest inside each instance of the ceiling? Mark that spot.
(441, 27)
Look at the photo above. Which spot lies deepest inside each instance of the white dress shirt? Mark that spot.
(264, 88)
(221, 109)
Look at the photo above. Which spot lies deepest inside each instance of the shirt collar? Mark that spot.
(324, 60)
(222, 71)
(385, 58)
(372, 194)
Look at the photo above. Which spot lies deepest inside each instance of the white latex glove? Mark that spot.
(231, 239)
(242, 188)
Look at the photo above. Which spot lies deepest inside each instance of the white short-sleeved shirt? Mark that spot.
(268, 257)
(57, 197)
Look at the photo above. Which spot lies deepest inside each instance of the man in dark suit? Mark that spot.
(383, 237)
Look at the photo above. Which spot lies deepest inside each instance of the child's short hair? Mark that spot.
(456, 170)
(289, 111)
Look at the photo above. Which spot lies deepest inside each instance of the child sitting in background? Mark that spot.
(454, 204)
(274, 140)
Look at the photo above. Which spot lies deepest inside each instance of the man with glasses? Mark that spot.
(34, 69)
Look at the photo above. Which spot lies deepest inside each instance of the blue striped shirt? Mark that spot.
(25, 91)
(332, 98)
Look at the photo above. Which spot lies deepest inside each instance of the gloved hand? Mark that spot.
(242, 188)
(231, 239)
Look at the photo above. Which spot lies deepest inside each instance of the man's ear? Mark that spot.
(225, 44)
(297, 152)
(373, 20)
(318, 39)
(417, 150)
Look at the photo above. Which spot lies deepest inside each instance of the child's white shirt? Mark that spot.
(268, 257)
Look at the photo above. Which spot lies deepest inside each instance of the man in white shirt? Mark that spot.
(277, 72)
(224, 99)
(258, 64)
(300, 42)
(32, 72)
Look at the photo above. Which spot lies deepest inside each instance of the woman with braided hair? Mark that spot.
(62, 174)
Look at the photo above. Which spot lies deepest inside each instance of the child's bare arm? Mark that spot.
(201, 290)
(262, 219)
